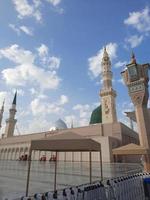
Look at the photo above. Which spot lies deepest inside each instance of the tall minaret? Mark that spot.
(11, 121)
(107, 93)
(1, 114)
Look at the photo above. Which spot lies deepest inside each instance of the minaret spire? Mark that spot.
(1, 113)
(105, 54)
(11, 121)
(71, 123)
(15, 98)
(106, 70)
(133, 59)
(3, 105)
(107, 93)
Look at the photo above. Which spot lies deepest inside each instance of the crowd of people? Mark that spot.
(52, 158)
(24, 157)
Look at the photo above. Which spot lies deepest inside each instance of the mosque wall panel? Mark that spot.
(85, 156)
(68, 156)
(77, 156)
(95, 156)
(61, 156)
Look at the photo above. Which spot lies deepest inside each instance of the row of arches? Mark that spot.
(16, 152)
(13, 153)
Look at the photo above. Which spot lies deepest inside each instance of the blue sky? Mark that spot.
(50, 51)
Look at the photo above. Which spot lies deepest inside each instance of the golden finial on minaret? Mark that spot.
(133, 59)
(105, 51)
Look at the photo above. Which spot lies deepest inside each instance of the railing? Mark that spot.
(122, 188)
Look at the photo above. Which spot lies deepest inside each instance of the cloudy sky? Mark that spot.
(50, 51)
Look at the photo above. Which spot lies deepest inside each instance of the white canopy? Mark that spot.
(131, 149)
(67, 141)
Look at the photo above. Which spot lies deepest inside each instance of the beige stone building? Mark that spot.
(110, 133)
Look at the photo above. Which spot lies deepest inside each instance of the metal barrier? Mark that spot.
(121, 188)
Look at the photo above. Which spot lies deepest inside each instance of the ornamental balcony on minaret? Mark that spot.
(107, 93)
(106, 70)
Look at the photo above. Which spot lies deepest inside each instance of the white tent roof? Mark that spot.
(67, 141)
(131, 149)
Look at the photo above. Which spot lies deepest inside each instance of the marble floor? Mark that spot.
(13, 175)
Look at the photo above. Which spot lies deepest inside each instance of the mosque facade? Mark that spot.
(104, 128)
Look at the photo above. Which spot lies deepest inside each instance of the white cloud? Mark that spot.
(14, 28)
(26, 8)
(37, 93)
(20, 29)
(54, 2)
(95, 61)
(52, 62)
(17, 55)
(125, 107)
(42, 50)
(37, 107)
(81, 114)
(37, 3)
(23, 7)
(139, 20)
(3, 95)
(26, 71)
(26, 30)
(63, 100)
(41, 107)
(134, 40)
(84, 122)
(71, 120)
(37, 126)
(8, 97)
(120, 64)
(83, 110)
(19, 91)
(76, 121)
(33, 91)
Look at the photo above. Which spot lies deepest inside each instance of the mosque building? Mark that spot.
(104, 128)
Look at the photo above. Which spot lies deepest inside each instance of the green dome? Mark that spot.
(96, 116)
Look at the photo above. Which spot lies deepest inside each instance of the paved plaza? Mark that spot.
(13, 175)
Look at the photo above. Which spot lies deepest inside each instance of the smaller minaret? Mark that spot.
(11, 121)
(1, 113)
